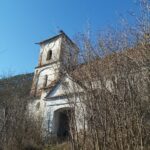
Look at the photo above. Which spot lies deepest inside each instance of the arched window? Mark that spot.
(49, 55)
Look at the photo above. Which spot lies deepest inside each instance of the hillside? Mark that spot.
(19, 85)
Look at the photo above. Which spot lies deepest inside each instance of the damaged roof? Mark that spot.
(61, 34)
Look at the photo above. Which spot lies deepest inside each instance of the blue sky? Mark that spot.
(25, 22)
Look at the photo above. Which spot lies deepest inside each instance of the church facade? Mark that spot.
(50, 97)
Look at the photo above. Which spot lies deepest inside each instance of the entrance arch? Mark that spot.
(62, 120)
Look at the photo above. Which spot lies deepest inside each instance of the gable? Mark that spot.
(64, 87)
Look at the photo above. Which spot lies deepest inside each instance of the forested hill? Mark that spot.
(19, 85)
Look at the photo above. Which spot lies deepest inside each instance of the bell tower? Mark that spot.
(55, 53)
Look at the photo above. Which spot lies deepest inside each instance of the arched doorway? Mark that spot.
(62, 118)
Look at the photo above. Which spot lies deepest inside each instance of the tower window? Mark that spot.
(49, 55)
(45, 81)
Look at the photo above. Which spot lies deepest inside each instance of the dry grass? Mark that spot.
(63, 146)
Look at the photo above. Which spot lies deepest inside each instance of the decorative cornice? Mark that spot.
(46, 64)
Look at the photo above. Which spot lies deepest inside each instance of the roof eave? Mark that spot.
(49, 39)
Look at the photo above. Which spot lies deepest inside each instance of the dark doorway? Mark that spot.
(63, 124)
(62, 121)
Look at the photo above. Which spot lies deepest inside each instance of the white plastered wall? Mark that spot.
(55, 46)
(51, 105)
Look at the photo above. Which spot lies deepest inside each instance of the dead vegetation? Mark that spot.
(18, 130)
(115, 104)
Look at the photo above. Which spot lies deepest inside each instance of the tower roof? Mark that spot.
(61, 34)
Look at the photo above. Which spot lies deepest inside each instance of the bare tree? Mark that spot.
(112, 89)
(19, 131)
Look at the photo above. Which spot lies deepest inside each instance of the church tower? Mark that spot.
(55, 54)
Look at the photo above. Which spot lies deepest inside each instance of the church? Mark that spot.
(65, 91)
(50, 97)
